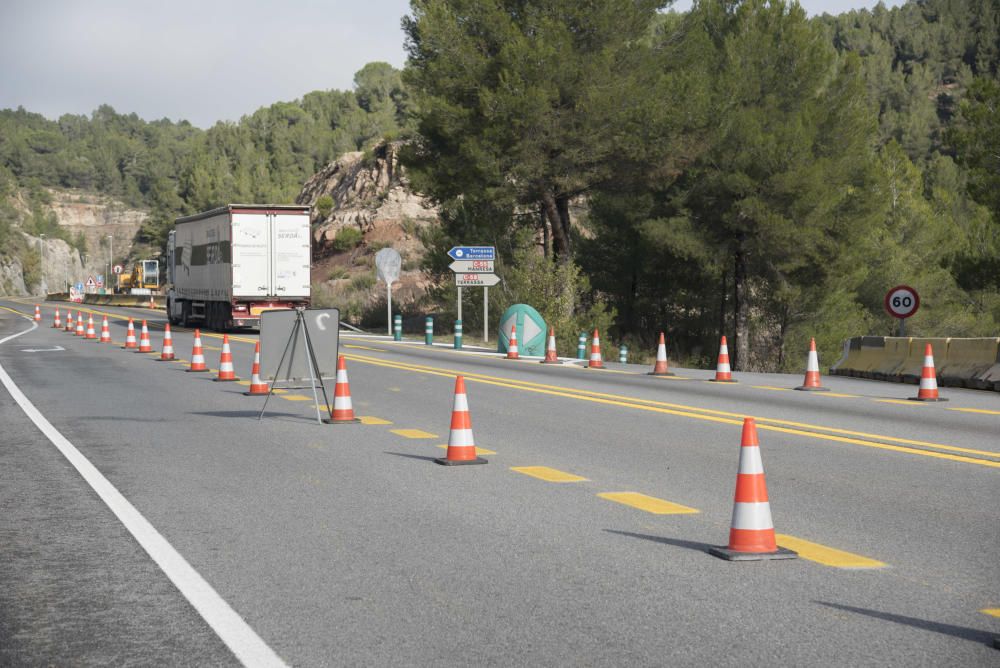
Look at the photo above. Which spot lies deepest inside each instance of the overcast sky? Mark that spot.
(202, 61)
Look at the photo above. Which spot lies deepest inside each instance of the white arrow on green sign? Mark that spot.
(482, 280)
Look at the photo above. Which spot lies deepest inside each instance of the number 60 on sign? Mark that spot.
(902, 301)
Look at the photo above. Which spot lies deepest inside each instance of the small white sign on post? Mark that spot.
(387, 266)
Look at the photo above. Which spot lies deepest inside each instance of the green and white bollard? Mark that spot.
(397, 327)
(429, 331)
(581, 346)
(623, 354)
(458, 335)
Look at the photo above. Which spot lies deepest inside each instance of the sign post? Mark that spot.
(473, 266)
(902, 302)
(387, 265)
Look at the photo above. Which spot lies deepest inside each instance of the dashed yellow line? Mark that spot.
(823, 554)
(723, 417)
(371, 419)
(296, 397)
(650, 504)
(769, 387)
(834, 395)
(413, 433)
(901, 402)
(975, 410)
(993, 612)
(547, 474)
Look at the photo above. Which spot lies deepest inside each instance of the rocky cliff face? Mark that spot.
(371, 194)
(95, 218)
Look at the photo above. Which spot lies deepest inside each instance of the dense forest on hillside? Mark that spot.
(175, 168)
(738, 169)
(748, 171)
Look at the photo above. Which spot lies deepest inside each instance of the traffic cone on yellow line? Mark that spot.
(145, 345)
(723, 373)
(811, 383)
(130, 336)
(197, 354)
(551, 356)
(57, 323)
(38, 314)
(661, 368)
(596, 361)
(79, 325)
(105, 332)
(91, 332)
(751, 533)
(259, 387)
(152, 302)
(226, 370)
(167, 354)
(343, 409)
(461, 444)
(928, 379)
(69, 321)
(512, 353)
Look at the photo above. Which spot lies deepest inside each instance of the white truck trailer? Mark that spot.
(228, 265)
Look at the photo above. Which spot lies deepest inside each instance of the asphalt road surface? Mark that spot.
(217, 538)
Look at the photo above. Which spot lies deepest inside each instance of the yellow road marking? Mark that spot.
(650, 504)
(834, 394)
(975, 410)
(994, 612)
(828, 556)
(769, 387)
(371, 419)
(723, 417)
(413, 433)
(296, 397)
(671, 377)
(243, 382)
(547, 474)
(479, 451)
(351, 345)
(901, 402)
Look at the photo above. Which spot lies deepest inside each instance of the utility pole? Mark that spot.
(111, 258)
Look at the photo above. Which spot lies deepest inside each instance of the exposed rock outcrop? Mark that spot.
(370, 193)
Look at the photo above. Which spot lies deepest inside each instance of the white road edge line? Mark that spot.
(244, 642)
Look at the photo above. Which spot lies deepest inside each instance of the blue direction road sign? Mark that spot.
(79, 286)
(473, 253)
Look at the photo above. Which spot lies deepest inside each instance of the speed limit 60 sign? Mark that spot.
(902, 301)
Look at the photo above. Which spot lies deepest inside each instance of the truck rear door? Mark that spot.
(251, 254)
(291, 257)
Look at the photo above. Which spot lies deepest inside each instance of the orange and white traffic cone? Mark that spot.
(167, 354)
(91, 332)
(259, 387)
(226, 370)
(723, 373)
(69, 321)
(551, 356)
(80, 331)
(596, 361)
(811, 382)
(38, 314)
(105, 332)
(57, 323)
(661, 368)
(512, 352)
(461, 444)
(152, 302)
(928, 379)
(343, 409)
(751, 533)
(130, 336)
(145, 345)
(197, 354)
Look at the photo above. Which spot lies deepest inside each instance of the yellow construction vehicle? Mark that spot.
(140, 278)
